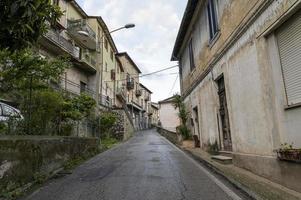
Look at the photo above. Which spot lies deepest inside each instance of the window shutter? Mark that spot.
(289, 42)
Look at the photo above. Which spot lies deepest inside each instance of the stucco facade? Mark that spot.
(168, 115)
(236, 84)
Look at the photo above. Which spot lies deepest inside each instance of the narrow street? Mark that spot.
(147, 167)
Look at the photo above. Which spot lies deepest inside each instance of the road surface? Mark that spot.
(147, 167)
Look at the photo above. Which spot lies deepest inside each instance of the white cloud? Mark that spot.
(150, 43)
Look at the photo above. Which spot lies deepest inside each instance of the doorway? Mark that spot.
(224, 115)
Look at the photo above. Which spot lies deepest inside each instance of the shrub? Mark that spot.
(184, 132)
(106, 122)
(213, 148)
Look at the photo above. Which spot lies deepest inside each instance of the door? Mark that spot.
(224, 116)
(196, 122)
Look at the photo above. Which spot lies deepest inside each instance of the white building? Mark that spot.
(168, 115)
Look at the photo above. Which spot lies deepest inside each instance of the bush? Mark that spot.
(213, 148)
(106, 122)
(184, 131)
(3, 128)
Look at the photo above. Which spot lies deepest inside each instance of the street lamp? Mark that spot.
(127, 26)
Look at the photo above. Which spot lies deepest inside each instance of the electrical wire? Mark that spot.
(174, 84)
(148, 74)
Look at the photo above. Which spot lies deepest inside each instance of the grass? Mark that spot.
(109, 142)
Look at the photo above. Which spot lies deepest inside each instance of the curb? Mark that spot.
(215, 170)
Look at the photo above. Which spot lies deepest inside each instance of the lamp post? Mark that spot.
(127, 26)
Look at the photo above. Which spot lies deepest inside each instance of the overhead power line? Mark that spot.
(148, 74)
(174, 84)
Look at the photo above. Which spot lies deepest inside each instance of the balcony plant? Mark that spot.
(288, 153)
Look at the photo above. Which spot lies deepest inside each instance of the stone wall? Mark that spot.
(23, 157)
(170, 135)
(124, 128)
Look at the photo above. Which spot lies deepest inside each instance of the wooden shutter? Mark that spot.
(289, 43)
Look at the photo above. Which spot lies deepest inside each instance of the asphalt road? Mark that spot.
(147, 167)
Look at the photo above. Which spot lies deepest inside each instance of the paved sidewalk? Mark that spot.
(256, 186)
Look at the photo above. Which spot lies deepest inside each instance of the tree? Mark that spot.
(24, 21)
(183, 114)
(25, 69)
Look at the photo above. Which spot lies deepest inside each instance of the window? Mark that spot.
(106, 44)
(112, 55)
(289, 44)
(191, 56)
(83, 87)
(106, 67)
(212, 18)
(107, 88)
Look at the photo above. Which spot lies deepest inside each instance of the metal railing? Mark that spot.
(81, 24)
(60, 41)
(89, 59)
(75, 89)
(105, 101)
(122, 93)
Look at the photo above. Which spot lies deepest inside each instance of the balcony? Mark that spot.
(74, 89)
(130, 84)
(59, 41)
(121, 94)
(105, 101)
(81, 31)
(138, 93)
(85, 61)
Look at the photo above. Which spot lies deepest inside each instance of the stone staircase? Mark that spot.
(224, 157)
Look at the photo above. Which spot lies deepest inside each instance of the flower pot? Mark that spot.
(293, 155)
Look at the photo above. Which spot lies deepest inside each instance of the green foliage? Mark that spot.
(177, 101)
(24, 21)
(213, 148)
(3, 128)
(25, 69)
(106, 121)
(45, 112)
(109, 142)
(184, 131)
(78, 107)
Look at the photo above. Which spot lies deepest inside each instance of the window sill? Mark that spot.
(214, 39)
(289, 107)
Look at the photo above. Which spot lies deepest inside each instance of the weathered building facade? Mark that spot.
(241, 80)
(168, 115)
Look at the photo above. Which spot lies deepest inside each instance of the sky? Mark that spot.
(151, 42)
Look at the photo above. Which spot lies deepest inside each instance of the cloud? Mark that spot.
(150, 43)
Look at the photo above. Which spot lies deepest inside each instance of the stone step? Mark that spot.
(222, 159)
(226, 153)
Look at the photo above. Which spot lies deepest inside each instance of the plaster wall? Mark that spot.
(168, 116)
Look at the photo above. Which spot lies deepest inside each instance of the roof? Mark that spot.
(145, 88)
(154, 105)
(106, 31)
(130, 59)
(168, 100)
(188, 14)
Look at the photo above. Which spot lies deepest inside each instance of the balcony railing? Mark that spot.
(81, 31)
(89, 59)
(105, 101)
(130, 84)
(121, 93)
(60, 41)
(74, 88)
(138, 93)
(83, 25)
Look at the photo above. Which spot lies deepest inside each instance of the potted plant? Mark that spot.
(288, 153)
